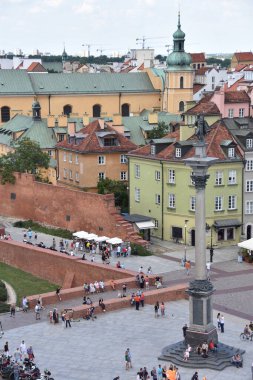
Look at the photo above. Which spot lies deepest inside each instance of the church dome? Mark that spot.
(177, 58)
(179, 34)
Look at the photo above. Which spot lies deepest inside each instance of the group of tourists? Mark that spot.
(94, 287)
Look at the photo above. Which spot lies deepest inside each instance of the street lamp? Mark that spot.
(185, 227)
(211, 242)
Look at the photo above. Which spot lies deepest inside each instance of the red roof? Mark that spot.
(202, 70)
(198, 57)
(205, 107)
(240, 67)
(91, 142)
(234, 85)
(36, 67)
(197, 87)
(218, 132)
(237, 97)
(246, 56)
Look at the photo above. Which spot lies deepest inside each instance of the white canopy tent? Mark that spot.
(81, 234)
(247, 244)
(114, 241)
(91, 237)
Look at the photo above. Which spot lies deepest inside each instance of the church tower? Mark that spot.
(178, 75)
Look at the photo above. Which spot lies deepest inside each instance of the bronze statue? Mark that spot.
(202, 127)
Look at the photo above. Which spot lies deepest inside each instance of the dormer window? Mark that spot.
(249, 143)
(178, 152)
(152, 150)
(110, 141)
(231, 152)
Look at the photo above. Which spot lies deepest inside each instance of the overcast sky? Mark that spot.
(113, 25)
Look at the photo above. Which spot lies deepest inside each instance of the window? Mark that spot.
(110, 141)
(192, 203)
(172, 201)
(249, 207)
(123, 159)
(157, 199)
(249, 143)
(70, 174)
(221, 234)
(70, 157)
(65, 156)
(249, 165)
(5, 114)
(218, 203)
(241, 112)
(232, 177)
(181, 106)
(249, 186)
(191, 179)
(50, 153)
(61, 137)
(218, 178)
(96, 110)
(77, 159)
(231, 112)
(181, 82)
(101, 160)
(152, 149)
(230, 233)
(125, 109)
(178, 152)
(64, 173)
(157, 175)
(101, 175)
(77, 176)
(67, 110)
(137, 195)
(213, 79)
(137, 171)
(156, 223)
(171, 176)
(123, 176)
(231, 152)
(226, 233)
(232, 202)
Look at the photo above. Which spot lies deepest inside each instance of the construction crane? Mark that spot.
(89, 47)
(143, 40)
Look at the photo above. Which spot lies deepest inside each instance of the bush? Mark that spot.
(62, 233)
(4, 307)
(139, 250)
(3, 292)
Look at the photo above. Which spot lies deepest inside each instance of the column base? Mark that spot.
(194, 338)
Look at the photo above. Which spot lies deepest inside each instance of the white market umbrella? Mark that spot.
(115, 240)
(101, 238)
(91, 237)
(247, 244)
(81, 234)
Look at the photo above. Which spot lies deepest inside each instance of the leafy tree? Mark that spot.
(160, 131)
(26, 158)
(118, 188)
(221, 62)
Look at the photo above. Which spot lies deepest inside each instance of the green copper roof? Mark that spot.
(15, 82)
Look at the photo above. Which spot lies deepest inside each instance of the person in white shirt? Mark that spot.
(23, 349)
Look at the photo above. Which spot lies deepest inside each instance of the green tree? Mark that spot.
(27, 158)
(118, 188)
(160, 131)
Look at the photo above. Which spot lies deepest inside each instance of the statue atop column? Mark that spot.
(201, 127)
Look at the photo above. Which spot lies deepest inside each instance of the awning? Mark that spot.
(145, 225)
(221, 223)
(248, 244)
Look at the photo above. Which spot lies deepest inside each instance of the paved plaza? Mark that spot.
(95, 349)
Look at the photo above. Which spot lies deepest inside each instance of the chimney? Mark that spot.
(153, 118)
(86, 119)
(62, 120)
(71, 128)
(101, 123)
(51, 121)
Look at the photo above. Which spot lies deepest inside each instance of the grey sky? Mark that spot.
(113, 25)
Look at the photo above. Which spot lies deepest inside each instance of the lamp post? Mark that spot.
(211, 247)
(185, 227)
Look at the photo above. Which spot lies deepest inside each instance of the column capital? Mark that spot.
(200, 180)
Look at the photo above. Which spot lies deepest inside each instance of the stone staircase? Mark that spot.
(126, 229)
(216, 361)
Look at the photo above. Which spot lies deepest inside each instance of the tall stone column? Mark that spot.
(200, 290)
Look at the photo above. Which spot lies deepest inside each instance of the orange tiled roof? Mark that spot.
(197, 87)
(217, 133)
(234, 85)
(36, 67)
(240, 67)
(91, 142)
(236, 97)
(205, 107)
(198, 57)
(244, 56)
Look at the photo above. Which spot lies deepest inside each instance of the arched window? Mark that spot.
(125, 109)
(96, 110)
(5, 114)
(67, 110)
(181, 82)
(181, 106)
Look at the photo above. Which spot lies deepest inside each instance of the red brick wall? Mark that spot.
(53, 266)
(52, 204)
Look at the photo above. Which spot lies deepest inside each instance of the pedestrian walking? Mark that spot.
(222, 322)
(13, 310)
(218, 320)
(129, 358)
(184, 328)
(187, 267)
(137, 301)
(195, 376)
(156, 307)
(208, 270)
(58, 290)
(162, 309)
(22, 349)
(6, 349)
(36, 236)
(159, 372)
(153, 373)
(124, 290)
(30, 353)
(142, 299)
(67, 319)
(37, 311)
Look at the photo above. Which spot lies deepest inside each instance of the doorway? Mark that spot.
(249, 231)
(193, 238)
